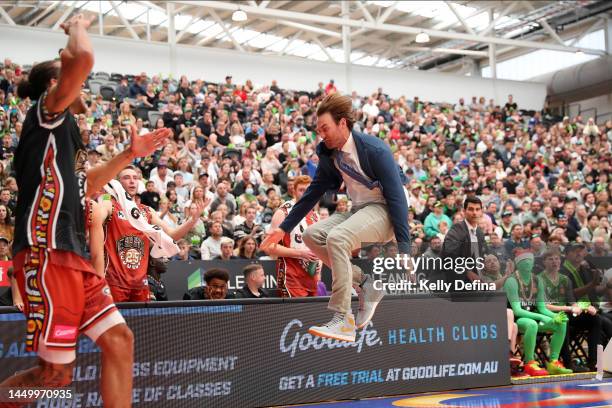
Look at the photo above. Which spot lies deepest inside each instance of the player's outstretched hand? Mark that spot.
(78, 19)
(146, 144)
(273, 237)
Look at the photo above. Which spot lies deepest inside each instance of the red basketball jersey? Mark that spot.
(127, 249)
(292, 273)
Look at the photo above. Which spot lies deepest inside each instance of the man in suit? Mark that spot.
(374, 182)
(465, 240)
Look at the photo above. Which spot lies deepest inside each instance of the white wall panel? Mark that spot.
(26, 45)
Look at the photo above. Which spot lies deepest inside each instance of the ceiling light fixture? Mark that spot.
(422, 38)
(239, 15)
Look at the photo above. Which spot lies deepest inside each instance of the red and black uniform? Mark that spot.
(127, 256)
(62, 295)
(292, 275)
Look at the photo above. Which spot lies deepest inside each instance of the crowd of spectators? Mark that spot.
(237, 148)
(542, 179)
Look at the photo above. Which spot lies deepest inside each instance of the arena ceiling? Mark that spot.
(462, 34)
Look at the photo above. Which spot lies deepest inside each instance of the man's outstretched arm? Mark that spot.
(141, 146)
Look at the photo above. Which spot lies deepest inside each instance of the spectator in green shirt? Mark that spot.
(559, 296)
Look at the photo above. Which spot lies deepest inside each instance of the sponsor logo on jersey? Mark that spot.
(131, 251)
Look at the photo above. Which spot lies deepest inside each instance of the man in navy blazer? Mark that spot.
(380, 210)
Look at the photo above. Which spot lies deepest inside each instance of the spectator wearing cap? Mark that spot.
(227, 250)
(447, 186)
(254, 279)
(510, 182)
(415, 200)
(432, 220)
(563, 225)
(186, 123)
(216, 287)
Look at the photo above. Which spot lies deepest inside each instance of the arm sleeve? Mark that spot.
(541, 301)
(511, 289)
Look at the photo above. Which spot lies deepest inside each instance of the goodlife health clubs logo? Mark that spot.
(293, 340)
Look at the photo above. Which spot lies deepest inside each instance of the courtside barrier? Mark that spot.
(257, 352)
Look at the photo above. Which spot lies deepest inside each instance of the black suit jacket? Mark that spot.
(457, 244)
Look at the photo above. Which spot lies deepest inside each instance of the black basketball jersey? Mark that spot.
(50, 166)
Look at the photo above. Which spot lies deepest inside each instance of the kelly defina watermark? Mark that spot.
(406, 273)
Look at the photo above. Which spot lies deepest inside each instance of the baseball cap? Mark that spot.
(561, 216)
(574, 246)
(5, 239)
(507, 214)
(438, 204)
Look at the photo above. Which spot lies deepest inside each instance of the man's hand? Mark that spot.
(308, 255)
(18, 305)
(196, 212)
(146, 144)
(75, 20)
(273, 237)
(576, 310)
(591, 310)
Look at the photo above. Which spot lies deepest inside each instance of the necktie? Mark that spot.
(341, 161)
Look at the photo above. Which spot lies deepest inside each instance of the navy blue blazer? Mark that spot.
(377, 163)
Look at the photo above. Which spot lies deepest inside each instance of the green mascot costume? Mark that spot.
(526, 298)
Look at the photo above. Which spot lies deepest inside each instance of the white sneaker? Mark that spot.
(369, 298)
(340, 327)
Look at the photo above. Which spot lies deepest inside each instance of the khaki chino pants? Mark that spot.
(334, 239)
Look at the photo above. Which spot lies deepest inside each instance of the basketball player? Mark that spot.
(62, 295)
(127, 248)
(296, 265)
